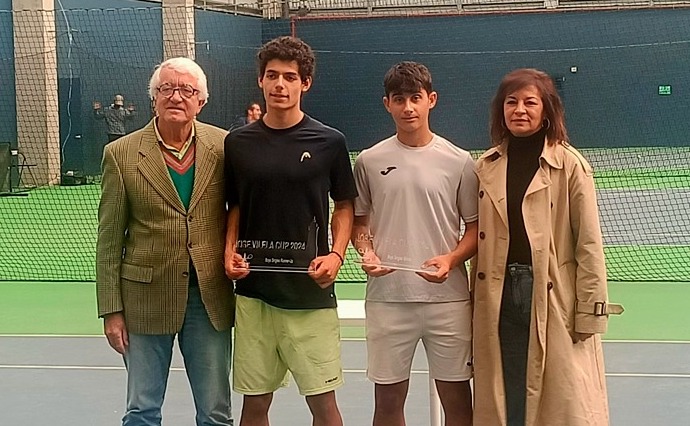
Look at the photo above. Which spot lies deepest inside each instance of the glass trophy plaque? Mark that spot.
(396, 254)
(281, 255)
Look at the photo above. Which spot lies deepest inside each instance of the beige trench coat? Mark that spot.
(565, 380)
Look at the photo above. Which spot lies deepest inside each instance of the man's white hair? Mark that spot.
(181, 65)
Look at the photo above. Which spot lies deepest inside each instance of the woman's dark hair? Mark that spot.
(554, 114)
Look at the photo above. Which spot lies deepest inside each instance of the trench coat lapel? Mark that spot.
(549, 159)
(152, 167)
(540, 181)
(492, 174)
(204, 167)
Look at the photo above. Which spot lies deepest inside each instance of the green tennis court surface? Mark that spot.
(654, 311)
(52, 235)
(642, 179)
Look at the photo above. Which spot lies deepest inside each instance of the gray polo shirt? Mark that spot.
(415, 199)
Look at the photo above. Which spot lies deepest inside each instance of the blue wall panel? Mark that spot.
(226, 50)
(8, 112)
(109, 51)
(622, 58)
(114, 51)
(612, 100)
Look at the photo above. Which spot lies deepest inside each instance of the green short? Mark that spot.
(270, 341)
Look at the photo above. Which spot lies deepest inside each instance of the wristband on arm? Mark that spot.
(342, 261)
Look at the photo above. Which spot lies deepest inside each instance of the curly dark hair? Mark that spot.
(287, 48)
(407, 77)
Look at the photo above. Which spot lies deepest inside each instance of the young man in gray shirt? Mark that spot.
(415, 188)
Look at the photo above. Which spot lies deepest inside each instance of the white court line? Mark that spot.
(345, 339)
(349, 371)
(672, 342)
(70, 367)
(646, 245)
(650, 375)
(68, 336)
(121, 368)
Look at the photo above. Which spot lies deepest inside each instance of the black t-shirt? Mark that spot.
(281, 179)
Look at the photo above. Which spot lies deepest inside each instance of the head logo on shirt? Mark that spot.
(305, 154)
(388, 170)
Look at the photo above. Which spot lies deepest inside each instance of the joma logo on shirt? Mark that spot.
(388, 170)
(305, 154)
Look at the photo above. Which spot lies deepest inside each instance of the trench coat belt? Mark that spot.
(600, 308)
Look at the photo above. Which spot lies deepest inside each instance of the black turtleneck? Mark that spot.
(523, 163)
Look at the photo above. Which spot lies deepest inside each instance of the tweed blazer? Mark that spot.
(146, 238)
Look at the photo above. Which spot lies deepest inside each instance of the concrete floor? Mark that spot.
(79, 381)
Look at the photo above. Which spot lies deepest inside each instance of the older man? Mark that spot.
(160, 251)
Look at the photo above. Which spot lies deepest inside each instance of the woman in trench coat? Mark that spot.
(540, 295)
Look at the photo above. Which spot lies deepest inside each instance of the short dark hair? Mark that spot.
(250, 105)
(288, 48)
(553, 106)
(407, 77)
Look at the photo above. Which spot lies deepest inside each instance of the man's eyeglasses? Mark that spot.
(186, 91)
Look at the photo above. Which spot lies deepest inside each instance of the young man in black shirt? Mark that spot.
(279, 173)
